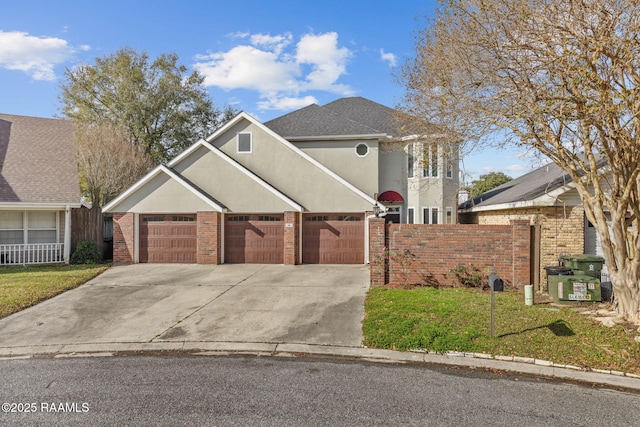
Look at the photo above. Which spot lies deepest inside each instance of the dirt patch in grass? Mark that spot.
(22, 287)
(459, 320)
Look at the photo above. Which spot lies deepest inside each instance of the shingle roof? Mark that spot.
(526, 187)
(343, 117)
(367, 112)
(37, 160)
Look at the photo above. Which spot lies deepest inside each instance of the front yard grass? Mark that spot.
(22, 287)
(459, 320)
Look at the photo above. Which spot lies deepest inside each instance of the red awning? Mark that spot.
(390, 197)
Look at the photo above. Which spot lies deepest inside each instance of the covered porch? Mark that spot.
(34, 234)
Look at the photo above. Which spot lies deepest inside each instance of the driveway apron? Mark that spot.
(310, 304)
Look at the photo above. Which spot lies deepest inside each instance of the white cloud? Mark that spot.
(279, 70)
(274, 43)
(238, 35)
(389, 57)
(36, 56)
(286, 103)
(327, 60)
(246, 67)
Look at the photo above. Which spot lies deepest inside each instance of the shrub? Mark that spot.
(404, 259)
(86, 253)
(469, 276)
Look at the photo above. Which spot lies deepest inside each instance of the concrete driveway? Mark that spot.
(143, 303)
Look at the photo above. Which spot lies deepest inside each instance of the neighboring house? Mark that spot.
(545, 197)
(297, 189)
(38, 188)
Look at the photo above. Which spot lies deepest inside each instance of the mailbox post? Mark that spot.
(497, 285)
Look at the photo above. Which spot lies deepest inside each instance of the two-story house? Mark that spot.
(297, 189)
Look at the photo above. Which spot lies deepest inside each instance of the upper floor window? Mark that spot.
(244, 142)
(430, 160)
(448, 165)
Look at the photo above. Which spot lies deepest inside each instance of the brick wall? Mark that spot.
(561, 229)
(377, 247)
(432, 250)
(123, 238)
(209, 238)
(291, 238)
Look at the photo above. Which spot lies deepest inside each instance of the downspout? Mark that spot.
(366, 234)
(136, 238)
(67, 234)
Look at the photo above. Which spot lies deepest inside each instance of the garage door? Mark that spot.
(254, 239)
(333, 239)
(168, 238)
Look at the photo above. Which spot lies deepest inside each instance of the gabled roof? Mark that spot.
(344, 117)
(144, 188)
(241, 169)
(176, 177)
(526, 188)
(282, 140)
(37, 161)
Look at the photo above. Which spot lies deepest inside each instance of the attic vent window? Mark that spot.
(362, 149)
(244, 142)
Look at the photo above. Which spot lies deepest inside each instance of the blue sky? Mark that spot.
(264, 57)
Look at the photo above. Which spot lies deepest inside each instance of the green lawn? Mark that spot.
(459, 320)
(22, 287)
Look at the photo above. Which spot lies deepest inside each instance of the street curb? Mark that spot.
(514, 364)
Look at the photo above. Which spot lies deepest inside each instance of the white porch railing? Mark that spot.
(37, 253)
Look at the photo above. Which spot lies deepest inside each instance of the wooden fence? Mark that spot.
(87, 224)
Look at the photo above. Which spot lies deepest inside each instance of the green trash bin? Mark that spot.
(576, 288)
(590, 265)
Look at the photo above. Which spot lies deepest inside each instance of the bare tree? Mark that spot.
(559, 76)
(109, 161)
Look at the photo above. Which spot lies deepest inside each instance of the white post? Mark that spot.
(67, 234)
(528, 294)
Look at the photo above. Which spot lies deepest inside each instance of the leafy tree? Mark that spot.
(108, 161)
(162, 109)
(559, 76)
(487, 182)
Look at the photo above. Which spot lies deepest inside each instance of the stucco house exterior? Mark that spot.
(297, 189)
(38, 188)
(547, 198)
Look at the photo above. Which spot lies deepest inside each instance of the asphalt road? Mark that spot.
(270, 391)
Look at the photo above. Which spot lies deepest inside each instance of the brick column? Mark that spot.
(209, 238)
(123, 238)
(291, 238)
(377, 237)
(521, 253)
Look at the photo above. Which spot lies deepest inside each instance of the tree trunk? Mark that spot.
(626, 291)
(620, 257)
